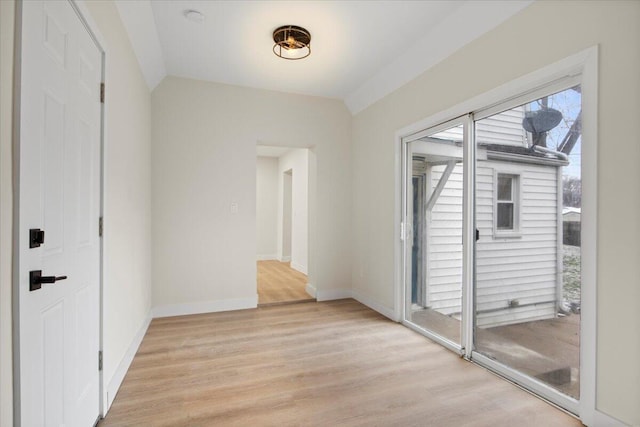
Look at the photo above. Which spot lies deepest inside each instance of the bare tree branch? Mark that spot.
(570, 139)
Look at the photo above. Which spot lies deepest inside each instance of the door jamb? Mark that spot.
(92, 27)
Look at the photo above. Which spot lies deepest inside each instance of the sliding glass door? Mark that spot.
(527, 278)
(492, 208)
(434, 299)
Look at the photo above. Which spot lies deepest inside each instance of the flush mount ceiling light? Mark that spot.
(291, 42)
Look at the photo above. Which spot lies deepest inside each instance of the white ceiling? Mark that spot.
(361, 50)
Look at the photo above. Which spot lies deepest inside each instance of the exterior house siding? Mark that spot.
(504, 128)
(444, 243)
(517, 269)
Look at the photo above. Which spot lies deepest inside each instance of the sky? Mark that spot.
(569, 103)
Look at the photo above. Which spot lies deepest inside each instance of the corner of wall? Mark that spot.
(376, 306)
(114, 383)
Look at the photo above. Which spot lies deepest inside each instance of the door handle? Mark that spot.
(36, 279)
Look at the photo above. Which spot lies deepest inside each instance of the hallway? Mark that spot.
(279, 283)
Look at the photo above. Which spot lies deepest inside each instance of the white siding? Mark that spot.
(444, 243)
(517, 268)
(503, 128)
(521, 268)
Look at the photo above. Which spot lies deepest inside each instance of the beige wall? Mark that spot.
(127, 216)
(7, 13)
(203, 159)
(543, 33)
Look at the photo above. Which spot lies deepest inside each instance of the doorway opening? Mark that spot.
(282, 224)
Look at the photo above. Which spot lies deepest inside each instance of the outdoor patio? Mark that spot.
(548, 350)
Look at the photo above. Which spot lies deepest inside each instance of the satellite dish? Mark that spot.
(542, 120)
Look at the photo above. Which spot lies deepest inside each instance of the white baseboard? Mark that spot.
(301, 268)
(116, 380)
(310, 289)
(600, 419)
(267, 257)
(376, 306)
(284, 259)
(332, 294)
(205, 307)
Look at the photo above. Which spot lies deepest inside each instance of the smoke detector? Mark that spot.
(194, 16)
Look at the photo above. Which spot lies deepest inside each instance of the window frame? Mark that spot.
(516, 200)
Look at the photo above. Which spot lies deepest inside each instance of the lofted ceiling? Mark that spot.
(361, 50)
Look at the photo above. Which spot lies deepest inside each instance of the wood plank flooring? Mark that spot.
(279, 283)
(333, 363)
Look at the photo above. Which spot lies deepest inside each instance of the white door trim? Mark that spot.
(585, 65)
(85, 17)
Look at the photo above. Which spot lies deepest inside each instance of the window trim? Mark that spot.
(516, 199)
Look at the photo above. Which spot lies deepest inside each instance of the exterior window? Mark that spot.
(507, 186)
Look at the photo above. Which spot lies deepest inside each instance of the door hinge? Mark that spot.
(100, 226)
(102, 93)
(100, 360)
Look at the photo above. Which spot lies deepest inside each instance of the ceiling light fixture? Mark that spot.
(291, 42)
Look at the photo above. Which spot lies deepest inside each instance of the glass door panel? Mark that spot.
(527, 257)
(435, 199)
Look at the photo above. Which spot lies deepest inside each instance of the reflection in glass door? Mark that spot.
(528, 204)
(434, 300)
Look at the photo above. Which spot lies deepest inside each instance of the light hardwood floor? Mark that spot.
(279, 283)
(318, 364)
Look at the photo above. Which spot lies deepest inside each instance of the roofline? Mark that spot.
(521, 158)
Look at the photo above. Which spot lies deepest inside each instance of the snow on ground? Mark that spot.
(571, 277)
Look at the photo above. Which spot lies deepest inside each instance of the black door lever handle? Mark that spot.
(50, 279)
(36, 279)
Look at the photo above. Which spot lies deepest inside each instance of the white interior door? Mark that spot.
(59, 192)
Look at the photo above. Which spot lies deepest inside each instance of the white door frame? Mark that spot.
(585, 65)
(85, 17)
